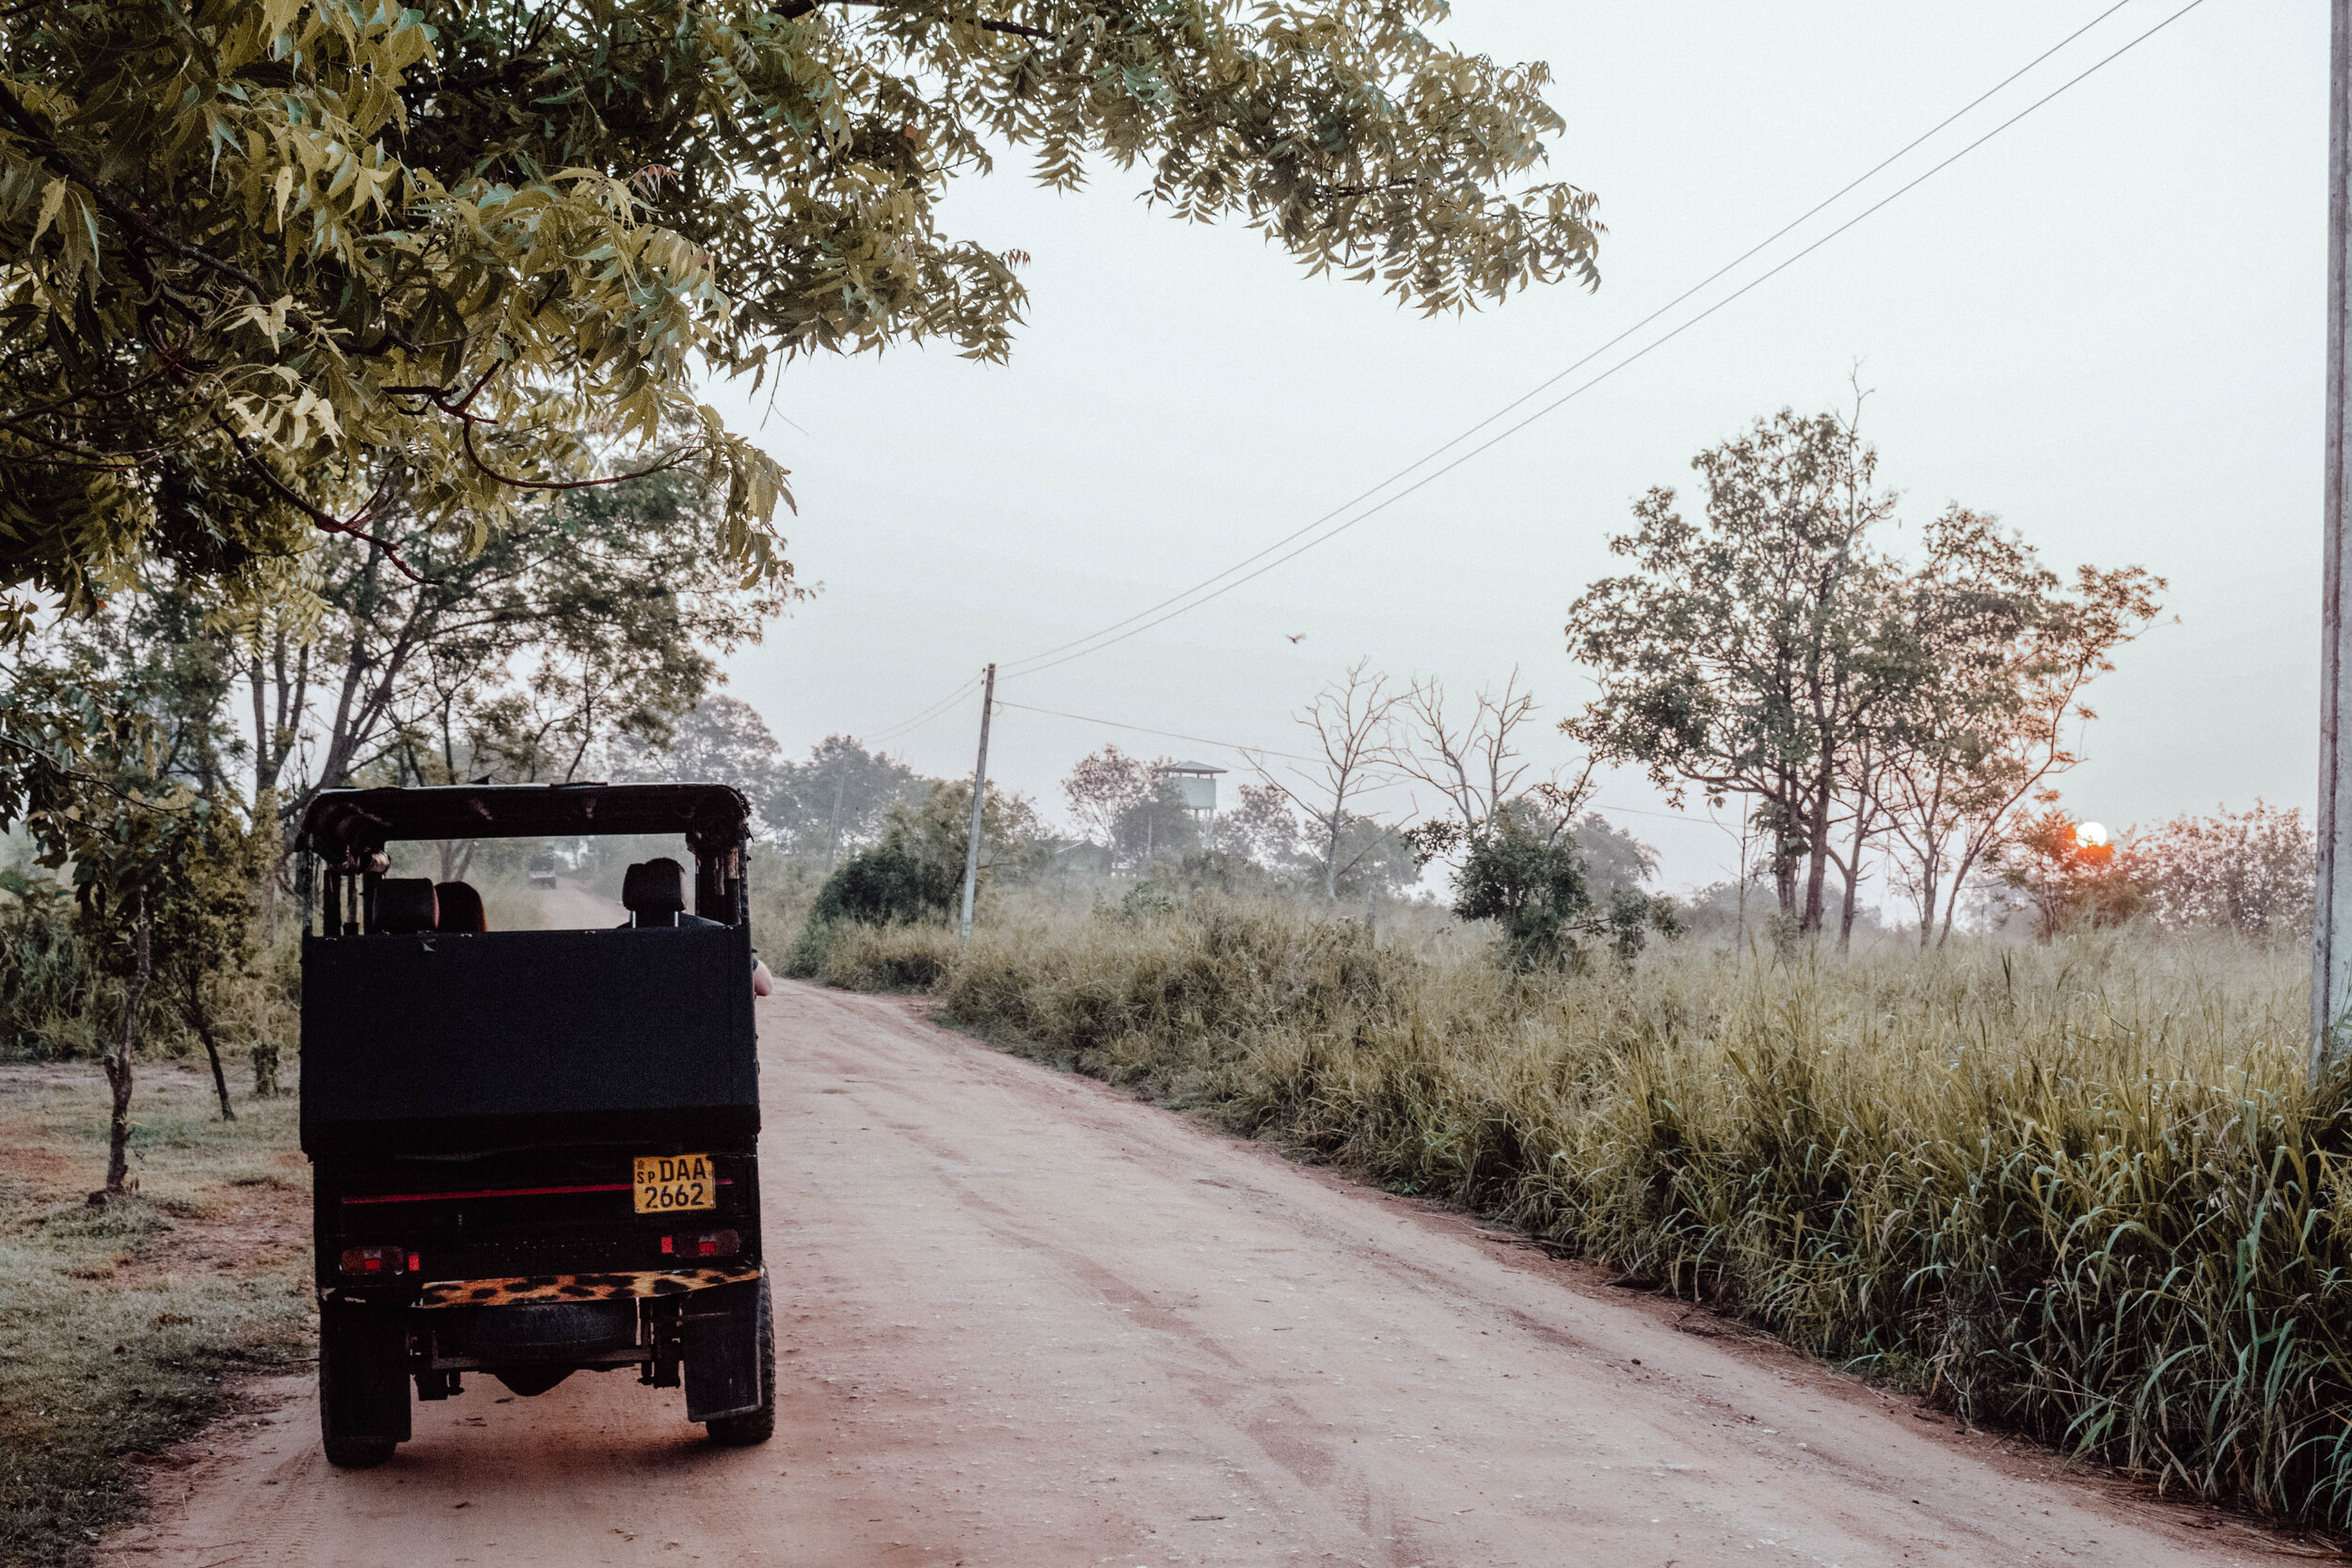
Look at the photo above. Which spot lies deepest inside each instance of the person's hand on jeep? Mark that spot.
(763, 982)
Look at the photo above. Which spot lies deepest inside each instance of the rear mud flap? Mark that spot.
(720, 1338)
(363, 1371)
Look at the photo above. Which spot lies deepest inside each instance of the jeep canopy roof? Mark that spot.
(346, 828)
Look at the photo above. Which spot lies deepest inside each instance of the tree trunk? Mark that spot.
(1816, 856)
(117, 1064)
(1952, 899)
(200, 1018)
(1852, 869)
(1927, 903)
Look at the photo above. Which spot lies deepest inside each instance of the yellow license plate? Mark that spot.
(666, 1183)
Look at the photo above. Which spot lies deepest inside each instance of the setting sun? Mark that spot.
(2090, 835)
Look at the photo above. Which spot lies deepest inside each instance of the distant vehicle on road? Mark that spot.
(535, 1151)
(542, 868)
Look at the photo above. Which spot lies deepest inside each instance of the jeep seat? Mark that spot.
(405, 906)
(460, 908)
(653, 892)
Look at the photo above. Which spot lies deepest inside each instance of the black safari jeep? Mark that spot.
(535, 1151)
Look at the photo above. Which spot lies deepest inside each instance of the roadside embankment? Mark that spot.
(2079, 1190)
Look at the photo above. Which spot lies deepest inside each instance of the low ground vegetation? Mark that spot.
(2076, 1188)
(124, 1325)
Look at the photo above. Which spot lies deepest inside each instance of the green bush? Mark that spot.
(1532, 886)
(47, 980)
(888, 885)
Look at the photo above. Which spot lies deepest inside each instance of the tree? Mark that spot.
(1260, 827)
(192, 901)
(205, 916)
(1748, 653)
(594, 621)
(1613, 858)
(264, 249)
(1531, 883)
(2250, 871)
(1131, 807)
(889, 884)
(840, 797)
(722, 739)
(117, 779)
(1156, 825)
(915, 873)
(2005, 649)
(1351, 720)
(1775, 651)
(2070, 882)
(1104, 787)
(1474, 764)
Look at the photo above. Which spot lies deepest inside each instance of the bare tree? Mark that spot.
(1476, 764)
(1352, 721)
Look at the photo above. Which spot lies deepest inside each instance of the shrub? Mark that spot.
(886, 885)
(47, 979)
(1532, 885)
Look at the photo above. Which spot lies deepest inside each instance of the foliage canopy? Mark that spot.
(283, 266)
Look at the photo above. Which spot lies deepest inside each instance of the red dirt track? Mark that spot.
(1023, 1319)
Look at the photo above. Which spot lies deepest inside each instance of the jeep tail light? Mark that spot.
(711, 1243)
(363, 1262)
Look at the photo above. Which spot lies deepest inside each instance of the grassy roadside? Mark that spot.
(2079, 1190)
(122, 1327)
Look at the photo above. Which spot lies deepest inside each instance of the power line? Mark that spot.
(936, 710)
(1171, 735)
(1101, 640)
(1295, 756)
(1551, 381)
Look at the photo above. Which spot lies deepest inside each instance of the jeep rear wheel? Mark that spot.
(754, 1426)
(363, 1383)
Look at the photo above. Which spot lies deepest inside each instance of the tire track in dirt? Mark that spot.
(1024, 1320)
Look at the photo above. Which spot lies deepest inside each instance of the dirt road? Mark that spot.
(1023, 1321)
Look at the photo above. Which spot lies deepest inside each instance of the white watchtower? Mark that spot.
(1196, 785)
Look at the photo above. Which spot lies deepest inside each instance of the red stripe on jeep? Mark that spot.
(510, 1192)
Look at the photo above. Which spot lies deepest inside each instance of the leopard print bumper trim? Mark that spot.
(581, 1287)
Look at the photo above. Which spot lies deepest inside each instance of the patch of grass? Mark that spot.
(2078, 1189)
(123, 1326)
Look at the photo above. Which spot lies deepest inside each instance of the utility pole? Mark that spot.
(980, 786)
(833, 833)
(2331, 926)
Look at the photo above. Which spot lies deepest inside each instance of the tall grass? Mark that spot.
(2079, 1190)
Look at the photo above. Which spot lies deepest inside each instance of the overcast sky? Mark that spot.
(2104, 325)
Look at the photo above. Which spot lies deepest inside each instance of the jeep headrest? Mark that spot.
(404, 905)
(459, 908)
(655, 891)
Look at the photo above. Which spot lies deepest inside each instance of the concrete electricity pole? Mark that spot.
(2331, 924)
(980, 786)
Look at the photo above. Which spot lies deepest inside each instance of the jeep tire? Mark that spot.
(756, 1425)
(363, 1383)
